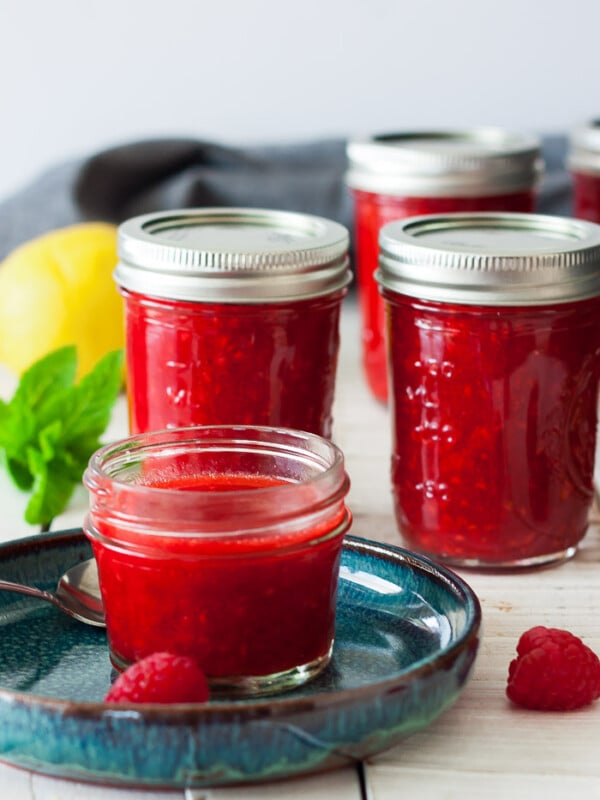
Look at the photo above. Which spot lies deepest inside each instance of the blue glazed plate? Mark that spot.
(407, 633)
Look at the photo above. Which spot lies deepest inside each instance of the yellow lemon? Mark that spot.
(58, 290)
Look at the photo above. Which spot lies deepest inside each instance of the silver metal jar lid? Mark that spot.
(491, 259)
(232, 255)
(584, 148)
(467, 163)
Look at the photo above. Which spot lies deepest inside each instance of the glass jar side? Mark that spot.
(494, 413)
(193, 363)
(583, 162)
(586, 196)
(371, 212)
(222, 544)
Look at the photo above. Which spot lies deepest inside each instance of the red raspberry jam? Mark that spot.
(222, 544)
(210, 363)
(408, 174)
(232, 317)
(584, 164)
(494, 345)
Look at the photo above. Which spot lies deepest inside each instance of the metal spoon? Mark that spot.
(77, 593)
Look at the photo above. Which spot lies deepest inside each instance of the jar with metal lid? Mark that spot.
(232, 317)
(400, 175)
(494, 351)
(583, 161)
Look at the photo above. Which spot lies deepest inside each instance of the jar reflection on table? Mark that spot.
(584, 164)
(402, 175)
(494, 382)
(232, 317)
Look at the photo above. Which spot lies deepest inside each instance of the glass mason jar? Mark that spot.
(494, 351)
(221, 543)
(400, 175)
(583, 161)
(232, 317)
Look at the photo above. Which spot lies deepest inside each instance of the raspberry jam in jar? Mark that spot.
(223, 544)
(494, 348)
(584, 164)
(407, 174)
(232, 317)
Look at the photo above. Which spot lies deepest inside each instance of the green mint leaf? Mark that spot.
(17, 458)
(53, 486)
(20, 473)
(40, 383)
(93, 399)
(49, 439)
(17, 426)
(51, 427)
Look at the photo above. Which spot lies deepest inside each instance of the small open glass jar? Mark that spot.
(400, 175)
(584, 163)
(232, 317)
(221, 543)
(494, 346)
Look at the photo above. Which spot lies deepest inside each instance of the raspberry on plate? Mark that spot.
(160, 678)
(554, 671)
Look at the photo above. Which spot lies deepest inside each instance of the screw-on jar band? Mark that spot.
(232, 255)
(491, 258)
(469, 163)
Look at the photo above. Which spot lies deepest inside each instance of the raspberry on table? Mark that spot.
(160, 678)
(554, 671)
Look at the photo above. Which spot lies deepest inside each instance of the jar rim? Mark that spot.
(202, 509)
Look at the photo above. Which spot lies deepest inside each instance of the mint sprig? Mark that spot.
(52, 426)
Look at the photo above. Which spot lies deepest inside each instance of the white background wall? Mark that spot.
(78, 75)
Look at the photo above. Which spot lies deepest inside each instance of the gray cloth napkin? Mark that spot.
(152, 175)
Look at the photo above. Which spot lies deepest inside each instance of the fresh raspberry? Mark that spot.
(554, 671)
(160, 678)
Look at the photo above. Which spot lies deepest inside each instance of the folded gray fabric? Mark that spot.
(160, 174)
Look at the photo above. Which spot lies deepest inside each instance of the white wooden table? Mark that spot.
(482, 747)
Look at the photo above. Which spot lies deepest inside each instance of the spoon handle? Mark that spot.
(31, 591)
(71, 604)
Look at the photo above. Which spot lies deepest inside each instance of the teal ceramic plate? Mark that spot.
(407, 635)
